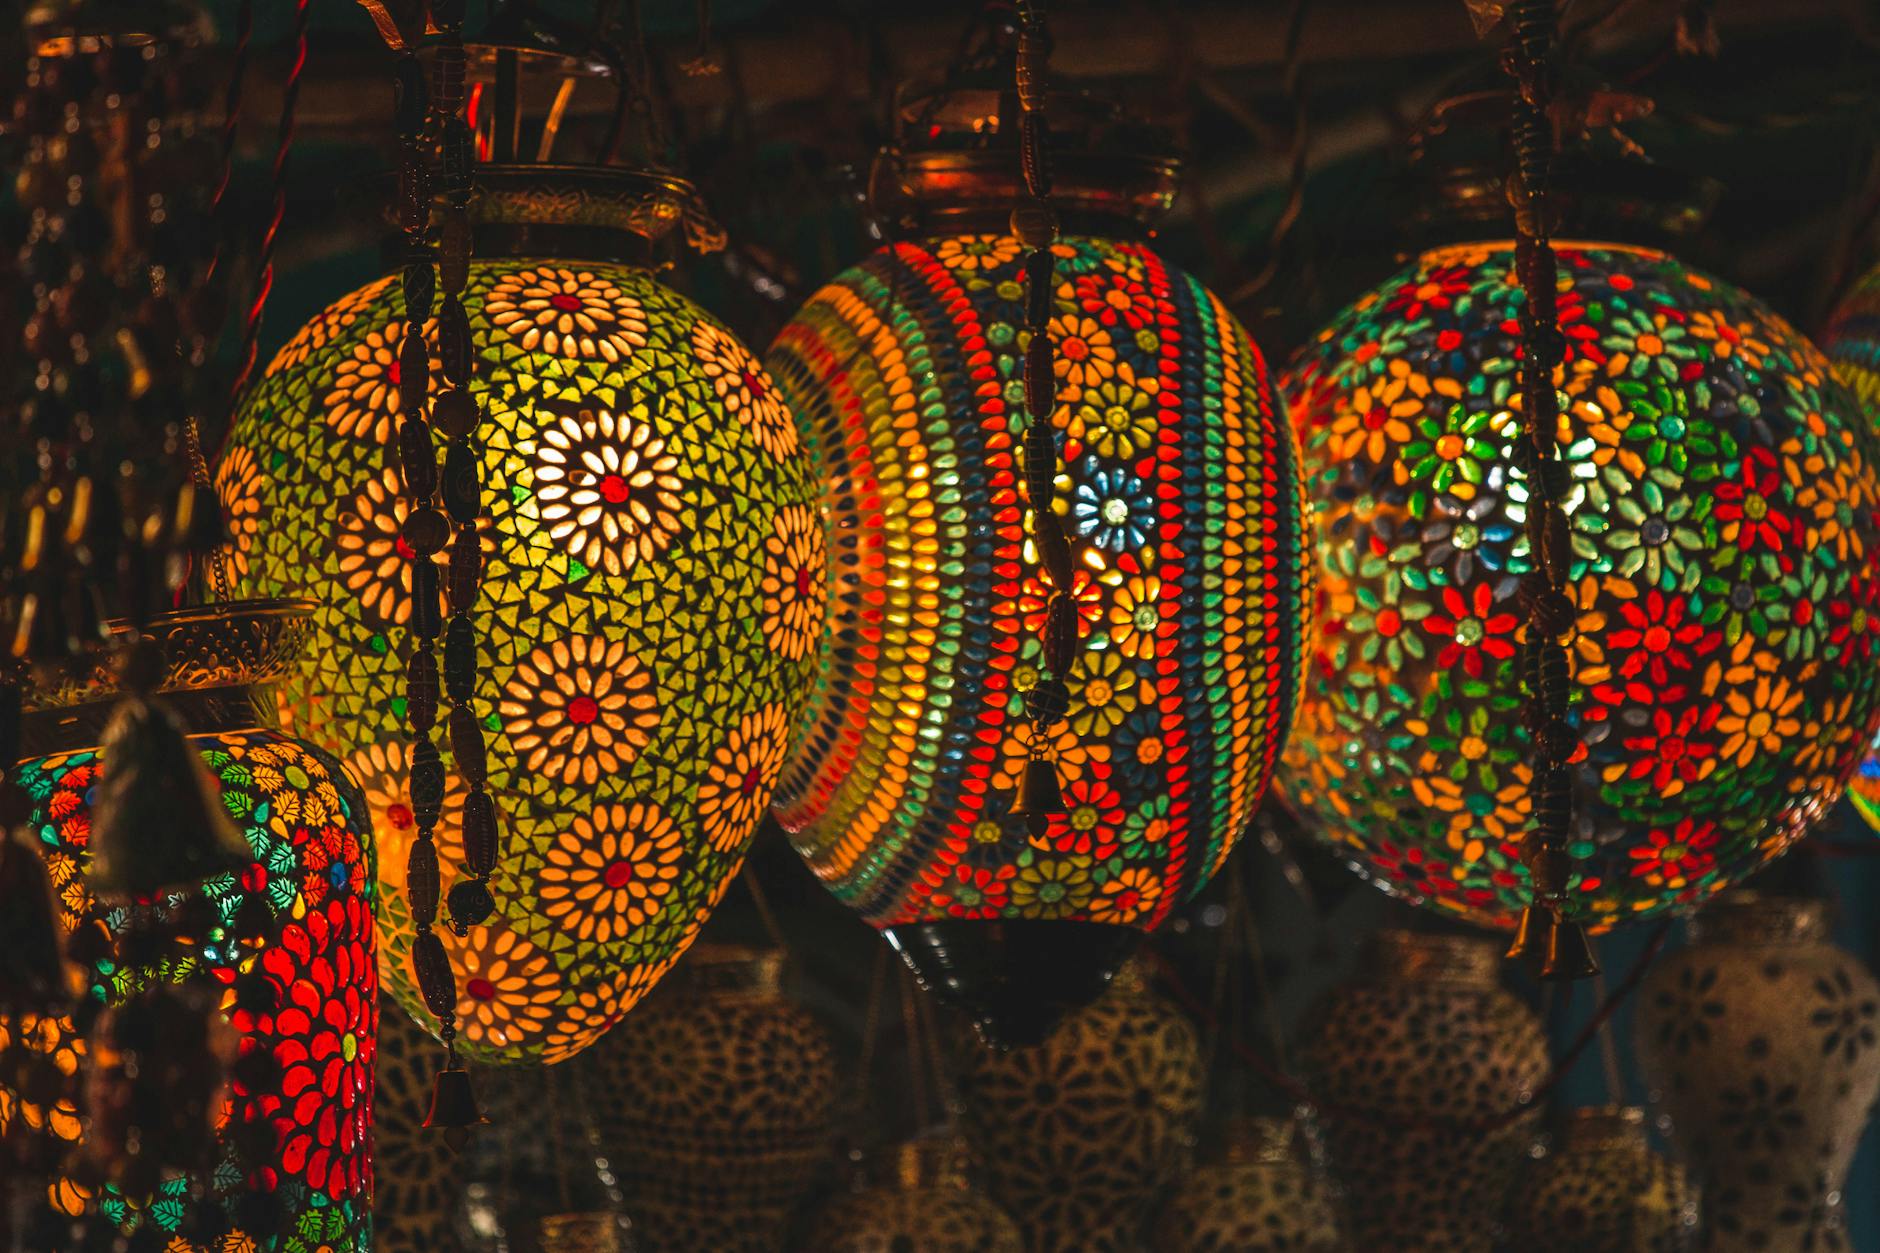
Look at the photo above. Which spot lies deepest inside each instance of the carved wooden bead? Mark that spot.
(480, 830)
(417, 458)
(456, 161)
(1040, 464)
(421, 879)
(1054, 551)
(470, 904)
(418, 284)
(455, 413)
(453, 253)
(466, 745)
(1060, 633)
(435, 981)
(1555, 742)
(1048, 701)
(411, 99)
(1040, 271)
(1034, 223)
(414, 371)
(427, 615)
(460, 659)
(427, 782)
(421, 689)
(463, 482)
(414, 198)
(466, 569)
(1040, 379)
(1557, 553)
(1547, 606)
(427, 530)
(453, 338)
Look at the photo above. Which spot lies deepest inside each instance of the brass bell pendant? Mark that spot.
(1039, 796)
(454, 1108)
(1556, 947)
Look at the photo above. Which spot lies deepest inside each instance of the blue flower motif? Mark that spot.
(1111, 507)
(1139, 755)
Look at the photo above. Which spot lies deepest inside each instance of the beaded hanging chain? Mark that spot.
(1545, 930)
(1034, 223)
(425, 120)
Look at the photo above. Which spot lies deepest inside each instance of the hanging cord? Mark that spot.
(1256, 955)
(916, 1068)
(1546, 934)
(871, 1031)
(936, 1057)
(264, 262)
(1034, 223)
(231, 128)
(1297, 162)
(1298, 1092)
(1608, 1049)
(761, 902)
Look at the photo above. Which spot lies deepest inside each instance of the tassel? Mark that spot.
(159, 824)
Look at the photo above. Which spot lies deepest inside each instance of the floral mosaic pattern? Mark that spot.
(1724, 537)
(643, 646)
(305, 822)
(1852, 342)
(1181, 494)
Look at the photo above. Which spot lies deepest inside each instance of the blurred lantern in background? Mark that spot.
(1258, 1194)
(1081, 1136)
(716, 1104)
(653, 585)
(926, 1201)
(1852, 343)
(285, 944)
(418, 1178)
(1179, 492)
(1724, 540)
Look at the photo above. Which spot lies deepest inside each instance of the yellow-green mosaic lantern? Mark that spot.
(653, 594)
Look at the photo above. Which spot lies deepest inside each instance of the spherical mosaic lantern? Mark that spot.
(652, 592)
(313, 866)
(1723, 532)
(1179, 493)
(1852, 343)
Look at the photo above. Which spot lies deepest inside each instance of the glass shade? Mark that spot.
(1180, 492)
(653, 590)
(1852, 342)
(1722, 527)
(305, 822)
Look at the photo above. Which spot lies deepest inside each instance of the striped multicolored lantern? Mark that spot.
(1182, 500)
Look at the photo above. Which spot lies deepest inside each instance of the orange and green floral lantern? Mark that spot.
(1722, 518)
(294, 1165)
(653, 591)
(1180, 493)
(1852, 342)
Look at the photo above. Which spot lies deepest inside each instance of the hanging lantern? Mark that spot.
(927, 1203)
(908, 789)
(716, 1104)
(293, 1155)
(1758, 1042)
(1852, 343)
(653, 585)
(1722, 527)
(1258, 1196)
(1412, 1058)
(418, 1177)
(1082, 1135)
(1601, 1189)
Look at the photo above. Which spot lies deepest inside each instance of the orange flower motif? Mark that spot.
(1131, 894)
(363, 402)
(383, 776)
(744, 387)
(579, 708)
(506, 986)
(611, 872)
(741, 776)
(607, 487)
(374, 560)
(796, 586)
(567, 313)
(238, 486)
(977, 252)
